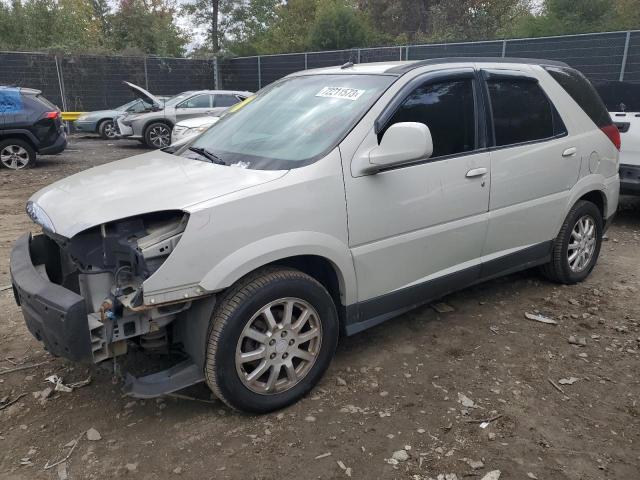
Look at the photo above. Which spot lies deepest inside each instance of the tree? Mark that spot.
(337, 26)
(147, 27)
(559, 17)
(205, 13)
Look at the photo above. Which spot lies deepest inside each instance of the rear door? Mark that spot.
(534, 164)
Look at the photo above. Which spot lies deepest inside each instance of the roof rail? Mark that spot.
(401, 69)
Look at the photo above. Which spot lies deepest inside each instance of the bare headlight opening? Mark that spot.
(39, 216)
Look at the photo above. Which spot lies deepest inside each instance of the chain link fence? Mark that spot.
(87, 82)
(602, 57)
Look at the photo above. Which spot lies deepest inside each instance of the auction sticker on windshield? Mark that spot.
(340, 92)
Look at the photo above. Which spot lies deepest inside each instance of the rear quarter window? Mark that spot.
(584, 94)
(46, 102)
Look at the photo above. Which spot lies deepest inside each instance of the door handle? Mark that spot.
(570, 152)
(476, 172)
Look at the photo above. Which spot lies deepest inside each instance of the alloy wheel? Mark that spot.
(278, 346)
(109, 130)
(160, 136)
(582, 243)
(14, 157)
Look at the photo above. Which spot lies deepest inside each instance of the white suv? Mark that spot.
(335, 200)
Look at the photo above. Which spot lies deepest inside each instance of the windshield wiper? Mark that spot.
(212, 157)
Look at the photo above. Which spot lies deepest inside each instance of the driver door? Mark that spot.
(416, 231)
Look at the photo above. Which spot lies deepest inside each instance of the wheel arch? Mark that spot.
(324, 271)
(321, 256)
(148, 123)
(23, 135)
(598, 198)
(587, 189)
(102, 120)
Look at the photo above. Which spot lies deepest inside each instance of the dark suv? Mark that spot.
(29, 124)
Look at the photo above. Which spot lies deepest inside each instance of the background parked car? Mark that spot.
(191, 127)
(628, 124)
(29, 124)
(154, 128)
(101, 121)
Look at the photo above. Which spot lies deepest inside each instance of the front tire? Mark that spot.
(271, 338)
(107, 130)
(576, 248)
(16, 154)
(157, 135)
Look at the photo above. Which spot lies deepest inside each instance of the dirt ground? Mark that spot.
(419, 383)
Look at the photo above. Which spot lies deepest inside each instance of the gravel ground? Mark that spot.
(401, 401)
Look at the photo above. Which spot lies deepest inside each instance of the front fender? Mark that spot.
(278, 247)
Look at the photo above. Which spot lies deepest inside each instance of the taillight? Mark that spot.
(612, 132)
(52, 115)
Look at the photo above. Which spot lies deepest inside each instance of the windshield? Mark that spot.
(124, 107)
(177, 98)
(293, 122)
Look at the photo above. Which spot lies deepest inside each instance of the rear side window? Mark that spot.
(448, 109)
(225, 100)
(522, 112)
(584, 94)
(46, 102)
(200, 101)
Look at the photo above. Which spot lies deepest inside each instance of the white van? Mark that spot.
(337, 199)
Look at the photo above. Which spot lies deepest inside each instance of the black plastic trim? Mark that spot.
(425, 79)
(10, 132)
(54, 315)
(58, 146)
(629, 179)
(369, 313)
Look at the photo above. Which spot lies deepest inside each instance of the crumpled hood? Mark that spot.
(150, 182)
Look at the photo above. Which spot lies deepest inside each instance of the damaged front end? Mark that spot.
(83, 296)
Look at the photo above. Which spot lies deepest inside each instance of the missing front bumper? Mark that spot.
(54, 315)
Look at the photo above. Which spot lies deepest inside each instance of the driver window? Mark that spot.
(448, 109)
(199, 101)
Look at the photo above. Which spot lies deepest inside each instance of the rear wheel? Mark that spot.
(157, 135)
(16, 154)
(107, 130)
(575, 251)
(271, 339)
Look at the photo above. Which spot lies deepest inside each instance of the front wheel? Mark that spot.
(576, 248)
(157, 135)
(271, 338)
(107, 130)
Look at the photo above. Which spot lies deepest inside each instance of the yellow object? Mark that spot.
(238, 106)
(71, 116)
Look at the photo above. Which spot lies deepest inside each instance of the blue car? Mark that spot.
(101, 121)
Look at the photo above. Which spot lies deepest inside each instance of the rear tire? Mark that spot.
(157, 135)
(16, 154)
(575, 250)
(107, 130)
(271, 338)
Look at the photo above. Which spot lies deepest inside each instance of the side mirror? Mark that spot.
(402, 143)
(155, 107)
